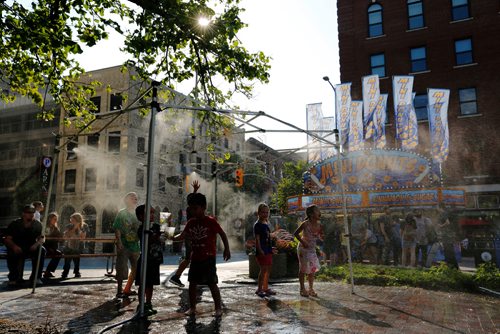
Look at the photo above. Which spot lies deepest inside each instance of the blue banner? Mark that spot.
(355, 139)
(371, 94)
(438, 122)
(380, 118)
(342, 107)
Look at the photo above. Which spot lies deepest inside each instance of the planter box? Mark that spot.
(278, 270)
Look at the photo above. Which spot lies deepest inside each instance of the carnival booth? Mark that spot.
(372, 180)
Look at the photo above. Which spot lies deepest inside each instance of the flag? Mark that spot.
(438, 122)
(406, 119)
(371, 94)
(314, 117)
(379, 120)
(327, 150)
(342, 107)
(355, 138)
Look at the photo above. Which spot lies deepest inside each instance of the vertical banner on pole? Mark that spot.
(342, 108)
(406, 119)
(438, 122)
(355, 140)
(380, 117)
(314, 123)
(371, 94)
(327, 150)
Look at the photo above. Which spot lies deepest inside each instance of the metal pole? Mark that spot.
(342, 190)
(47, 205)
(344, 208)
(149, 185)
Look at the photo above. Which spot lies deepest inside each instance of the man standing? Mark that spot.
(383, 232)
(423, 224)
(447, 225)
(38, 210)
(127, 245)
(23, 240)
(390, 231)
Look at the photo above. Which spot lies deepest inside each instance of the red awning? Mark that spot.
(473, 221)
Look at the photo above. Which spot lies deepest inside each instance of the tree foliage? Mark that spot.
(162, 38)
(290, 185)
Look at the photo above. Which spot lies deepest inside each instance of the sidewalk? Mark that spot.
(87, 305)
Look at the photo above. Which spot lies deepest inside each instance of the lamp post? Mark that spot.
(338, 143)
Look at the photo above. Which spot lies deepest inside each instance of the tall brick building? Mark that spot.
(449, 44)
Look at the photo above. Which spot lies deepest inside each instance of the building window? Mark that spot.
(69, 180)
(418, 59)
(198, 163)
(114, 142)
(420, 104)
(116, 101)
(71, 150)
(90, 179)
(141, 144)
(463, 51)
(415, 14)
(161, 183)
(8, 178)
(108, 217)
(96, 100)
(377, 64)
(113, 177)
(468, 101)
(93, 141)
(375, 20)
(139, 178)
(459, 10)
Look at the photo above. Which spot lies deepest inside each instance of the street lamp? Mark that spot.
(338, 143)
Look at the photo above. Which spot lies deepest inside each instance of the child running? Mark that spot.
(202, 230)
(308, 233)
(263, 247)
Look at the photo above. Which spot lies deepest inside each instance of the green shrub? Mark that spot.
(439, 277)
(488, 276)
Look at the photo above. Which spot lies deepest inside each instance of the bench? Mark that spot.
(110, 263)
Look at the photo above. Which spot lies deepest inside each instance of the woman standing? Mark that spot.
(308, 233)
(76, 231)
(409, 237)
(52, 246)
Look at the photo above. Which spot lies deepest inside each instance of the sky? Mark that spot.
(301, 38)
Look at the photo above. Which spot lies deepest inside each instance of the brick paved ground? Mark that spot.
(87, 305)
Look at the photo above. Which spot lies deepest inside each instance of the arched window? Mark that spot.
(66, 212)
(415, 14)
(90, 217)
(375, 20)
(108, 217)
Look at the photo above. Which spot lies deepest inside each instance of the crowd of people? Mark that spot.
(409, 240)
(394, 238)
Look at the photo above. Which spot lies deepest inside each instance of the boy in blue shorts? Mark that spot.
(202, 231)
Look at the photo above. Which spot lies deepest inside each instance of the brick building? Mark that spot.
(444, 44)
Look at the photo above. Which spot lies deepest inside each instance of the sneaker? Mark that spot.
(78, 275)
(130, 293)
(48, 274)
(64, 275)
(176, 281)
(261, 294)
(120, 295)
(12, 283)
(149, 310)
(270, 292)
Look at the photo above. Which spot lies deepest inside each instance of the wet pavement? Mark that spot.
(87, 305)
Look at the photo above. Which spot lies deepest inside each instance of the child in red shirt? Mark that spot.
(202, 231)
